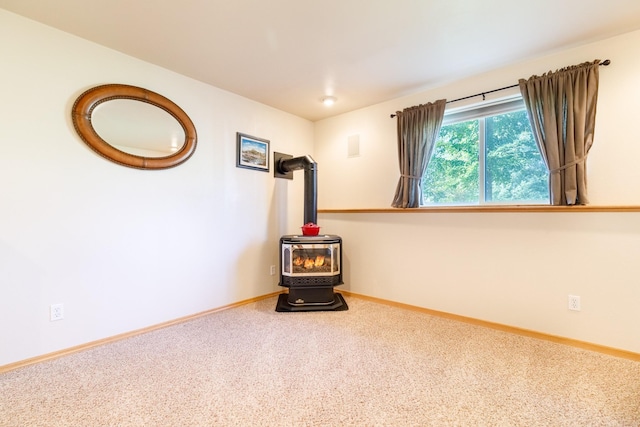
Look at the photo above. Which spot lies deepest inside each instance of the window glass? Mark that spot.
(514, 169)
(453, 171)
(486, 155)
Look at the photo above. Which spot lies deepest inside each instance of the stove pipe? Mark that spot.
(310, 183)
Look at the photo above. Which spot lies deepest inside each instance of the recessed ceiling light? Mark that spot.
(329, 100)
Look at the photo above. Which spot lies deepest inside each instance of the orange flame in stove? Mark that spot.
(310, 262)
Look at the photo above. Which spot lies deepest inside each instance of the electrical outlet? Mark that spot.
(272, 270)
(574, 302)
(56, 312)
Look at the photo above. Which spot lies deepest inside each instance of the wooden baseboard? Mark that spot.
(505, 328)
(82, 347)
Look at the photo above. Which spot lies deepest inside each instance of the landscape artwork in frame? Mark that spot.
(253, 153)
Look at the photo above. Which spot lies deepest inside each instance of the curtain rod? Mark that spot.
(605, 63)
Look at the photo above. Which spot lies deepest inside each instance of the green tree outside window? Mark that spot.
(491, 159)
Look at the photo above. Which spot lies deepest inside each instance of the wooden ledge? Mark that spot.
(488, 209)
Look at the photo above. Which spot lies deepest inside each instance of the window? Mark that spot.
(486, 155)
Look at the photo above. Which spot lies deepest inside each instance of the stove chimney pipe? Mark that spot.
(285, 165)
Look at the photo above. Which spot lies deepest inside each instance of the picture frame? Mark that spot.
(252, 152)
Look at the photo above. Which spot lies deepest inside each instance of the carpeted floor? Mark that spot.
(373, 365)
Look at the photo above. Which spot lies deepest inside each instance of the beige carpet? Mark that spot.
(373, 365)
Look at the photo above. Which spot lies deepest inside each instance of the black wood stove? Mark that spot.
(310, 266)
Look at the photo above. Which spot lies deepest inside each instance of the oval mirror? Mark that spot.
(138, 128)
(134, 127)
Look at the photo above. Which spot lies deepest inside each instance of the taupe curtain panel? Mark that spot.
(418, 128)
(562, 111)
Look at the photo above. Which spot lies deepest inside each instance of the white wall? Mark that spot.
(122, 248)
(490, 266)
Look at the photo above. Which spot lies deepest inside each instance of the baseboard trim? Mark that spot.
(625, 354)
(497, 326)
(92, 344)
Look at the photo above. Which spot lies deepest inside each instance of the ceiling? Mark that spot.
(290, 53)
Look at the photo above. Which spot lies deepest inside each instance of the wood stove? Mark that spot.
(310, 266)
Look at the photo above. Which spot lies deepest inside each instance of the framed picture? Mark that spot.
(253, 153)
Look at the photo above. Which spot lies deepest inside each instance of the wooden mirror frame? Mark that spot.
(90, 99)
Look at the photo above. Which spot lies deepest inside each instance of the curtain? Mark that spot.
(418, 128)
(562, 112)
